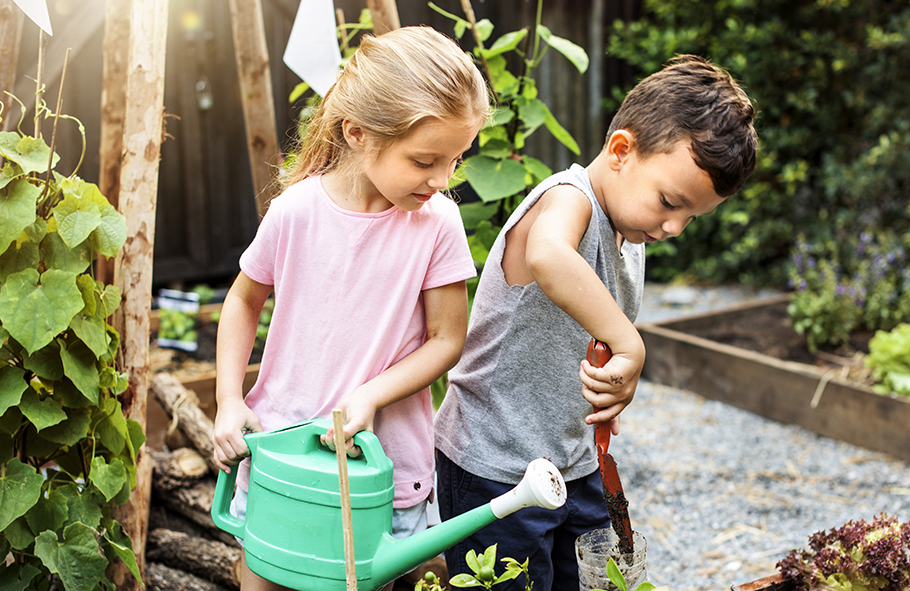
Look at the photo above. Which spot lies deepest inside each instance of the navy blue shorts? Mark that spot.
(546, 537)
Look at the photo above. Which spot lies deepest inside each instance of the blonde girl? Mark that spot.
(367, 260)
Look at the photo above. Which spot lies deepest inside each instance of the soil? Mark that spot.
(767, 330)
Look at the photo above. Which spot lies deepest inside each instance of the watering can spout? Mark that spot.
(541, 486)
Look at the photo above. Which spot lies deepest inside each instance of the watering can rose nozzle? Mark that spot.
(541, 486)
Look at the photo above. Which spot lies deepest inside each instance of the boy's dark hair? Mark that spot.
(691, 99)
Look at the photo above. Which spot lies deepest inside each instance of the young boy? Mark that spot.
(568, 266)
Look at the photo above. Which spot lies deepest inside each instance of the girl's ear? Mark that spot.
(353, 134)
(619, 148)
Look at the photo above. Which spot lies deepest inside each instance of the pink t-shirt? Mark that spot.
(348, 305)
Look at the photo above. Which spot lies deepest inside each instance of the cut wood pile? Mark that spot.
(185, 550)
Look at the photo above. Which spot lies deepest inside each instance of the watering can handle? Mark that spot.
(224, 490)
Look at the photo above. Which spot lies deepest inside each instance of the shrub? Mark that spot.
(834, 123)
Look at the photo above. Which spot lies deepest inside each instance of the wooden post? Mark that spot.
(252, 57)
(113, 107)
(142, 135)
(385, 15)
(11, 22)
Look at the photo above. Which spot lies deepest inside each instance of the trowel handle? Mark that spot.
(221, 515)
(599, 354)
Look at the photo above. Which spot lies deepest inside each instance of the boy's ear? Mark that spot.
(353, 134)
(619, 147)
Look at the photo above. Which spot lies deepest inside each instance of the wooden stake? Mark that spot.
(344, 486)
(252, 57)
(385, 15)
(113, 107)
(12, 20)
(142, 129)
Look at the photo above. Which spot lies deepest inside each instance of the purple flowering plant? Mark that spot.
(862, 282)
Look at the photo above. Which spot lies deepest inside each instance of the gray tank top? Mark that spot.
(515, 395)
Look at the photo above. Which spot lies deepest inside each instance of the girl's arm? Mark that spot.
(446, 310)
(236, 335)
(570, 283)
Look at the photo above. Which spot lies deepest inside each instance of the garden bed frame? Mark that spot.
(780, 390)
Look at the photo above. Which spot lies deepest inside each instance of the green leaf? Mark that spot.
(12, 386)
(110, 235)
(507, 42)
(34, 313)
(496, 149)
(17, 210)
(16, 259)
(67, 393)
(472, 561)
(108, 478)
(41, 413)
(57, 255)
(615, 576)
(78, 561)
(298, 92)
(573, 52)
(19, 534)
(31, 154)
(9, 172)
(464, 580)
(136, 438)
(646, 586)
(80, 366)
(11, 420)
(532, 112)
(76, 219)
(489, 556)
(484, 29)
(45, 362)
(71, 431)
(48, 513)
(111, 426)
(501, 116)
(20, 488)
(538, 169)
(560, 133)
(18, 578)
(475, 212)
(122, 547)
(92, 332)
(508, 575)
(84, 507)
(495, 179)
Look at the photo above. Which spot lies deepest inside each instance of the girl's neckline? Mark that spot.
(350, 212)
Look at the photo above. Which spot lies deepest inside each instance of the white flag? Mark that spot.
(312, 52)
(37, 11)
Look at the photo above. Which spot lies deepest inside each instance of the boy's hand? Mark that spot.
(231, 422)
(610, 388)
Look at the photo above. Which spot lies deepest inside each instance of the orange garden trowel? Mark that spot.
(598, 356)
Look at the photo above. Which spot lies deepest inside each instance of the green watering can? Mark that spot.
(292, 534)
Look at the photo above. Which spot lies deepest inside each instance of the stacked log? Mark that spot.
(185, 550)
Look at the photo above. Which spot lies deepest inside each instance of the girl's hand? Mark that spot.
(231, 422)
(359, 413)
(610, 388)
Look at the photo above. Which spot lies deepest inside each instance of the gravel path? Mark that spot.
(722, 494)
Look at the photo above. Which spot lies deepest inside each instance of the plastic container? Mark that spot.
(594, 549)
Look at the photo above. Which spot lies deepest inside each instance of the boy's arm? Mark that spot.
(570, 283)
(446, 311)
(236, 335)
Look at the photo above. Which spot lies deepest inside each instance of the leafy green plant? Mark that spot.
(500, 173)
(858, 556)
(67, 452)
(889, 358)
(616, 577)
(483, 574)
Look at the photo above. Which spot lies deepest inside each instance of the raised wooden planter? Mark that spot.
(771, 387)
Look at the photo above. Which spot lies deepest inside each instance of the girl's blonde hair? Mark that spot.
(390, 84)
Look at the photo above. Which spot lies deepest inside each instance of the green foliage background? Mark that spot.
(827, 79)
(67, 452)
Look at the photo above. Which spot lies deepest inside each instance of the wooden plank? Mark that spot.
(142, 135)
(252, 57)
(776, 389)
(12, 19)
(385, 15)
(113, 108)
